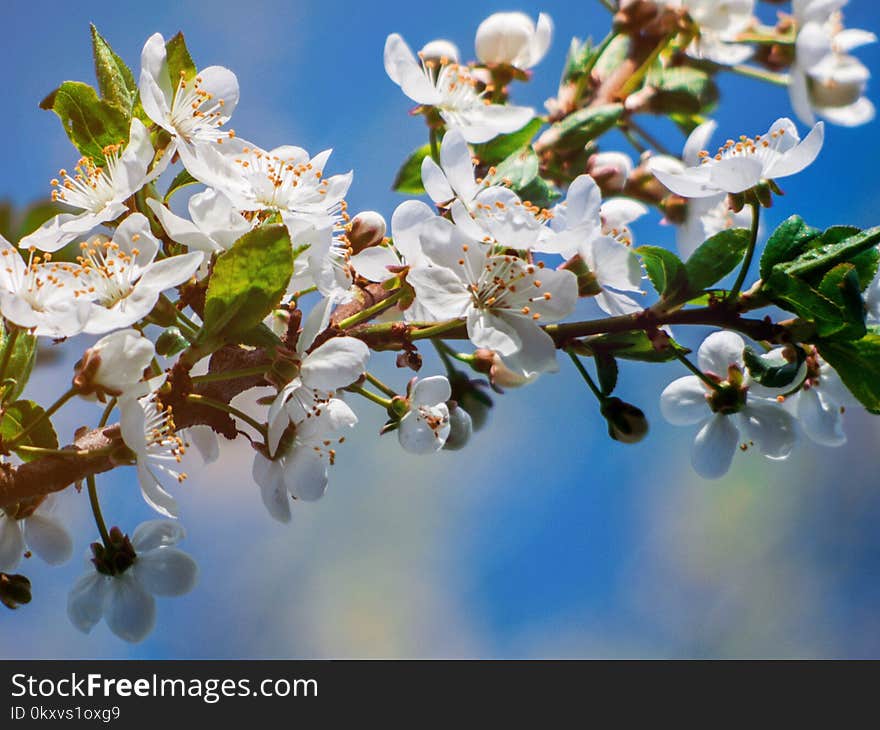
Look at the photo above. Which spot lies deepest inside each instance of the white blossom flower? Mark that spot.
(335, 364)
(454, 176)
(704, 217)
(578, 229)
(502, 298)
(33, 526)
(98, 190)
(820, 404)
(453, 91)
(440, 49)
(611, 169)
(148, 429)
(114, 364)
(825, 78)
(214, 223)
(191, 111)
(426, 426)
(720, 23)
(513, 39)
(121, 587)
(723, 414)
(39, 294)
(123, 277)
(300, 468)
(740, 165)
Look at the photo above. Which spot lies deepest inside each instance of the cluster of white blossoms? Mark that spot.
(826, 79)
(477, 258)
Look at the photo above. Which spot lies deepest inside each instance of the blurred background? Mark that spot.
(542, 538)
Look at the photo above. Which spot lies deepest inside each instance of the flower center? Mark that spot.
(91, 185)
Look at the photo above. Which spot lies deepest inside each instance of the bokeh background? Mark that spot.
(543, 538)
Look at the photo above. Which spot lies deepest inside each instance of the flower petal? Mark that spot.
(129, 610)
(821, 420)
(335, 364)
(431, 391)
(770, 426)
(714, 447)
(85, 602)
(683, 401)
(166, 571)
(305, 474)
(719, 351)
(48, 538)
(11, 543)
(154, 534)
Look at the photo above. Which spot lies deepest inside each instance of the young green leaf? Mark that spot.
(666, 272)
(180, 63)
(21, 415)
(770, 372)
(181, 180)
(21, 361)
(798, 296)
(409, 176)
(682, 90)
(841, 285)
(579, 128)
(858, 364)
(825, 256)
(632, 346)
(517, 170)
(606, 368)
(247, 283)
(115, 80)
(716, 258)
(494, 151)
(91, 123)
(787, 242)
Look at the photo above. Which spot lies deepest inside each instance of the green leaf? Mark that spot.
(858, 364)
(716, 258)
(632, 346)
(666, 272)
(866, 266)
(787, 242)
(826, 255)
(769, 372)
(115, 80)
(798, 296)
(409, 176)
(21, 361)
(517, 170)
(841, 285)
(494, 151)
(180, 63)
(181, 180)
(19, 416)
(247, 282)
(91, 123)
(579, 128)
(682, 90)
(539, 192)
(606, 368)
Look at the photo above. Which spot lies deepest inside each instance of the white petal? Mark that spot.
(440, 291)
(11, 543)
(221, 83)
(48, 538)
(85, 602)
(492, 332)
(166, 571)
(335, 364)
(431, 391)
(695, 182)
(541, 40)
(154, 534)
(455, 157)
(205, 441)
(683, 401)
(181, 230)
(735, 174)
(714, 447)
(821, 421)
(129, 610)
(305, 474)
(800, 156)
(417, 436)
(372, 263)
(406, 221)
(770, 426)
(270, 478)
(719, 351)
(697, 142)
(435, 182)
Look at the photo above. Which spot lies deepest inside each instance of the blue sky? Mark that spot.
(543, 537)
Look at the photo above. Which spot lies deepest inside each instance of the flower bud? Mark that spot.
(511, 39)
(171, 342)
(490, 363)
(626, 423)
(366, 229)
(610, 170)
(15, 590)
(468, 395)
(113, 364)
(441, 51)
(460, 428)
